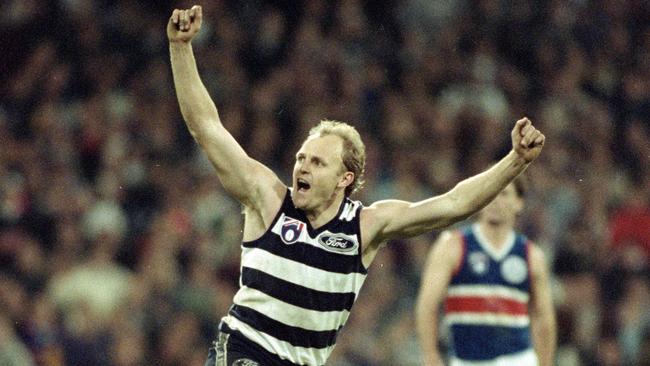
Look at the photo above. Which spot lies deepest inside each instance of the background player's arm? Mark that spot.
(246, 179)
(393, 219)
(441, 263)
(542, 312)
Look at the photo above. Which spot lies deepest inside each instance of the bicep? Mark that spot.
(243, 177)
(542, 303)
(402, 219)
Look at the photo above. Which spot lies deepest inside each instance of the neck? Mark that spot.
(326, 212)
(495, 233)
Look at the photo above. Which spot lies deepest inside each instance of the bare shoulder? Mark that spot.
(369, 222)
(269, 190)
(264, 202)
(375, 217)
(448, 245)
(381, 210)
(444, 258)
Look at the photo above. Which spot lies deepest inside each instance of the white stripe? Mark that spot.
(349, 210)
(306, 239)
(290, 314)
(492, 319)
(346, 209)
(301, 274)
(285, 350)
(496, 254)
(488, 291)
(525, 358)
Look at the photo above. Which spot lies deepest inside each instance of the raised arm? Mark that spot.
(542, 312)
(441, 263)
(247, 180)
(391, 219)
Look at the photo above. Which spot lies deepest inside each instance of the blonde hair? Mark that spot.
(354, 151)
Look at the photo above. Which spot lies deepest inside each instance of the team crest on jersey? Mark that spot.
(337, 242)
(291, 230)
(514, 269)
(478, 262)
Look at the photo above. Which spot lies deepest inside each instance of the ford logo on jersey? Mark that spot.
(337, 242)
(291, 230)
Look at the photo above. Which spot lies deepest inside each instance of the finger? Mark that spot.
(520, 124)
(186, 20)
(175, 16)
(540, 139)
(180, 20)
(530, 136)
(527, 128)
(198, 14)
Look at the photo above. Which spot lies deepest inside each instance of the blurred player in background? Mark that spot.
(306, 249)
(494, 284)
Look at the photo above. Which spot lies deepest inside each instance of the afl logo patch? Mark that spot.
(478, 262)
(514, 269)
(337, 242)
(291, 230)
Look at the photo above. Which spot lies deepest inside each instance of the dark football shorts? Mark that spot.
(233, 349)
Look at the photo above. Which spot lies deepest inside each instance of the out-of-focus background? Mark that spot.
(119, 247)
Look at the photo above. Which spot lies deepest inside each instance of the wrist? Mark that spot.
(517, 160)
(180, 44)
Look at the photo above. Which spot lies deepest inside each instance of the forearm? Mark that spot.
(472, 194)
(197, 108)
(427, 330)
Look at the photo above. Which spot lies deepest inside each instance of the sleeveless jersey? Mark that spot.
(487, 301)
(298, 284)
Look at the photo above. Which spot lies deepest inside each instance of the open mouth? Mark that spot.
(303, 186)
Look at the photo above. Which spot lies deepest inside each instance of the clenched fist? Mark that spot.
(184, 24)
(527, 141)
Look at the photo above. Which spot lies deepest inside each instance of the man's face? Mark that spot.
(504, 208)
(318, 171)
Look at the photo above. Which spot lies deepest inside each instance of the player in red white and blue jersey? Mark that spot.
(494, 287)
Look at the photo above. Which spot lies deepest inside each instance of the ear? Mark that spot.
(346, 179)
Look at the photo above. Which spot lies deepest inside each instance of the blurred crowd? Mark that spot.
(118, 246)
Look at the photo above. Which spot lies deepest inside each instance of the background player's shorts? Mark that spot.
(525, 358)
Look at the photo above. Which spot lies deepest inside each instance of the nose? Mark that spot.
(303, 166)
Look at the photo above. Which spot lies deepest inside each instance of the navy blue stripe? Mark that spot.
(297, 337)
(477, 342)
(295, 294)
(308, 254)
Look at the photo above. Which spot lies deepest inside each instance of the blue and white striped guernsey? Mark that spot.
(298, 284)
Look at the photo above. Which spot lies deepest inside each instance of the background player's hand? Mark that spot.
(527, 141)
(184, 24)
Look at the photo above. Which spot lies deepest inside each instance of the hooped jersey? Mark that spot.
(298, 284)
(487, 301)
